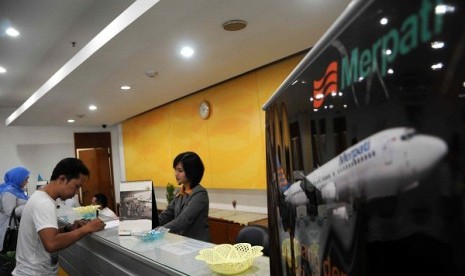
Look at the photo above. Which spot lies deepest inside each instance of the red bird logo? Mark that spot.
(326, 85)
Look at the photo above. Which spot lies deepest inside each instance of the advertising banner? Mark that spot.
(365, 146)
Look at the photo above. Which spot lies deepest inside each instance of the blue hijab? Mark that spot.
(13, 180)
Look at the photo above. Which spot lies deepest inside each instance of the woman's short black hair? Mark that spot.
(193, 166)
(101, 200)
(70, 167)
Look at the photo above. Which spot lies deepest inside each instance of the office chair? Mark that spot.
(255, 235)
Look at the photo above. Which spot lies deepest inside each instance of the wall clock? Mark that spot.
(204, 110)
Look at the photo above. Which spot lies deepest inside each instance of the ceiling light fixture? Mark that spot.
(437, 66)
(12, 32)
(187, 52)
(234, 25)
(2, 70)
(92, 107)
(437, 44)
(442, 9)
(125, 87)
(71, 121)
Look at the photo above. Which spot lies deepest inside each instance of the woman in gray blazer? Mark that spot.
(187, 214)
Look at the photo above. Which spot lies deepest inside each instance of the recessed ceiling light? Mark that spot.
(125, 87)
(2, 70)
(442, 9)
(384, 21)
(12, 32)
(187, 52)
(234, 25)
(71, 121)
(92, 107)
(437, 66)
(437, 44)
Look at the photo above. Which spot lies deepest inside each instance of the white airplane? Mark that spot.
(381, 165)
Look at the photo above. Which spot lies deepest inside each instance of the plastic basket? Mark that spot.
(152, 235)
(230, 259)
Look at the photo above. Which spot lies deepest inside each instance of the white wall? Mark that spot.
(39, 149)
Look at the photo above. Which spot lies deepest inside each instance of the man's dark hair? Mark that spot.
(193, 166)
(70, 167)
(101, 200)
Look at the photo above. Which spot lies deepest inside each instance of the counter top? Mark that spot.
(240, 217)
(172, 255)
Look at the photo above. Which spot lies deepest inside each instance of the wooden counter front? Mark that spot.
(224, 225)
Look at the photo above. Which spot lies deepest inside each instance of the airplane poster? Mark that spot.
(365, 146)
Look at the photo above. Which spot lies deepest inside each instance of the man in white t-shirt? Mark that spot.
(39, 238)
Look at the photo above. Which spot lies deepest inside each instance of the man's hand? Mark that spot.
(79, 223)
(94, 225)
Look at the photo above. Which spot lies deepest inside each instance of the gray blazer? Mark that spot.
(188, 215)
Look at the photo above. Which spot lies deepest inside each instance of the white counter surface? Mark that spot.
(173, 254)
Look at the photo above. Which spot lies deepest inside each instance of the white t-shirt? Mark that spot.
(108, 213)
(31, 256)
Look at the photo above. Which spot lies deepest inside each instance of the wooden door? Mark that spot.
(98, 162)
(94, 149)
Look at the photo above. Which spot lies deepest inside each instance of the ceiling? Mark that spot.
(66, 58)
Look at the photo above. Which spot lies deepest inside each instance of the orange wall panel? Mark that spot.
(237, 156)
(231, 142)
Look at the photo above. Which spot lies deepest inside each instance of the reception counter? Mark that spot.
(107, 253)
(226, 224)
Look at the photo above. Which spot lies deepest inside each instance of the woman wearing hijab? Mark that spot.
(12, 195)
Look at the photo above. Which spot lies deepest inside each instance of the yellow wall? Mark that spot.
(231, 142)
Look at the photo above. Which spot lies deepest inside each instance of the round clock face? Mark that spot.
(204, 110)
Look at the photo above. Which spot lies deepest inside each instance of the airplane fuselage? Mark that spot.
(381, 165)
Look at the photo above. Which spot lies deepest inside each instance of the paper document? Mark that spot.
(111, 223)
(137, 225)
